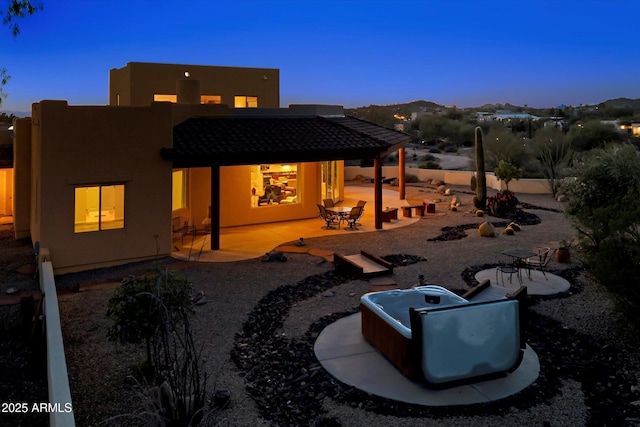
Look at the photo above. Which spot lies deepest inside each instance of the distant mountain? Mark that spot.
(623, 103)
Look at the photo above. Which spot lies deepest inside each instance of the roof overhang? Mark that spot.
(233, 140)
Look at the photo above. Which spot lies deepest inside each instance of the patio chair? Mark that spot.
(328, 203)
(361, 203)
(354, 216)
(539, 262)
(329, 218)
(507, 269)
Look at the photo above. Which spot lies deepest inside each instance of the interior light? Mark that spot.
(186, 74)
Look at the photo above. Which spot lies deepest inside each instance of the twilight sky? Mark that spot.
(542, 53)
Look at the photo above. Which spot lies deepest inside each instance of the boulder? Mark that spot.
(440, 189)
(479, 213)
(508, 231)
(486, 229)
(514, 226)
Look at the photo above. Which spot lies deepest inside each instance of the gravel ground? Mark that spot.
(260, 320)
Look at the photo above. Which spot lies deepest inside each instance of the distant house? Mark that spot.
(104, 185)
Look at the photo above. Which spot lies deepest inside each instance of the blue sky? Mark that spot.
(542, 53)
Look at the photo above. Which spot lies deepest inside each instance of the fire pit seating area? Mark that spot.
(435, 336)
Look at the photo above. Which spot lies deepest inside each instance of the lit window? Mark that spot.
(246, 101)
(179, 190)
(99, 208)
(210, 99)
(165, 97)
(275, 184)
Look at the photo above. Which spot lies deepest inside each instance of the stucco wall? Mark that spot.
(137, 82)
(530, 186)
(236, 206)
(101, 145)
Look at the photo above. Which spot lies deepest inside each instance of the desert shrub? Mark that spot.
(503, 204)
(604, 204)
(430, 164)
(411, 178)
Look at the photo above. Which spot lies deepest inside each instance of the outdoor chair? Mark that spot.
(353, 217)
(539, 262)
(329, 218)
(328, 203)
(507, 269)
(361, 204)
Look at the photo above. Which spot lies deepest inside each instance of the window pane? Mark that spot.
(210, 99)
(165, 97)
(275, 184)
(112, 207)
(99, 208)
(179, 190)
(240, 101)
(86, 212)
(252, 101)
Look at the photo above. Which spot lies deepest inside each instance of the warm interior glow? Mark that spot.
(210, 99)
(165, 97)
(275, 185)
(179, 190)
(245, 101)
(99, 208)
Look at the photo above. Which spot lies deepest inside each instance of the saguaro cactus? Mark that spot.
(480, 199)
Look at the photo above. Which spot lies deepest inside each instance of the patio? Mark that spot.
(253, 241)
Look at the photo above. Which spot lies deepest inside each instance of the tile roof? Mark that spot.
(202, 141)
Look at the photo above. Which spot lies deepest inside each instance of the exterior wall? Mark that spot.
(101, 145)
(137, 82)
(235, 197)
(529, 186)
(22, 178)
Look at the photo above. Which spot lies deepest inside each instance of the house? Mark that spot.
(104, 185)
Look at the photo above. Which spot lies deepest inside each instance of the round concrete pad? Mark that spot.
(343, 352)
(538, 284)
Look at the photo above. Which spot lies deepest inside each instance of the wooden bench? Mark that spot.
(389, 214)
(406, 210)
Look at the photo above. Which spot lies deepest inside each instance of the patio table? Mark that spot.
(341, 211)
(517, 258)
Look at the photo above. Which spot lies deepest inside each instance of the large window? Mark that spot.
(179, 190)
(275, 184)
(98, 208)
(245, 101)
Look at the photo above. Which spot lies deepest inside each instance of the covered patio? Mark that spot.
(253, 241)
(302, 133)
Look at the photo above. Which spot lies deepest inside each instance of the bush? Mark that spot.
(411, 178)
(503, 204)
(429, 165)
(604, 203)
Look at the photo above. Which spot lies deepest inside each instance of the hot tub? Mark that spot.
(434, 335)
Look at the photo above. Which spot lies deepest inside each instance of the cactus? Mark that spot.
(480, 199)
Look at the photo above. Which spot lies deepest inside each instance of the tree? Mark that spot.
(604, 204)
(507, 172)
(16, 9)
(554, 156)
(593, 134)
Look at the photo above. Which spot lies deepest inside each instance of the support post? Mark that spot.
(377, 192)
(401, 173)
(215, 207)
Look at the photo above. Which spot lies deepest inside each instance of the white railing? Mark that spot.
(60, 406)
